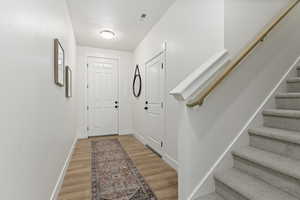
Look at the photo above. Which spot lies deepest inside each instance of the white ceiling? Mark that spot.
(89, 17)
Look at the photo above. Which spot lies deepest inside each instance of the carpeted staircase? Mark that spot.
(268, 169)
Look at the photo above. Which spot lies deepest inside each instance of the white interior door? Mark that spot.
(103, 101)
(154, 103)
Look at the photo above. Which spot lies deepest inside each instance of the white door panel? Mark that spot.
(102, 95)
(154, 102)
(154, 82)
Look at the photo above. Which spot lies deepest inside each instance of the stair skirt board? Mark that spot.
(269, 168)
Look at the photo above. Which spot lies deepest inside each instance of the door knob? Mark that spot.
(146, 108)
(116, 102)
(146, 102)
(116, 106)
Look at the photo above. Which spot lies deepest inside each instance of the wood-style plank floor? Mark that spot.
(160, 176)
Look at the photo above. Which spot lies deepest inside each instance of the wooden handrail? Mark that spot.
(200, 98)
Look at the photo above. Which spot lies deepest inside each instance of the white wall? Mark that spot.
(194, 31)
(191, 39)
(245, 19)
(125, 106)
(208, 130)
(37, 121)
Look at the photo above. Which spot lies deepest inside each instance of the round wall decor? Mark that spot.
(137, 82)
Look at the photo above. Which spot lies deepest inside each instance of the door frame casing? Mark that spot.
(117, 59)
(162, 53)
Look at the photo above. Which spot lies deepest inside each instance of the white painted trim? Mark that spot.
(140, 138)
(167, 158)
(243, 130)
(193, 82)
(82, 132)
(62, 174)
(126, 132)
(171, 161)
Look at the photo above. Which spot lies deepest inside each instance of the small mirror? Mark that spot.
(59, 63)
(68, 82)
(137, 82)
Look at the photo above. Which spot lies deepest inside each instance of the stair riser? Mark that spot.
(276, 146)
(292, 124)
(228, 193)
(285, 183)
(288, 103)
(293, 87)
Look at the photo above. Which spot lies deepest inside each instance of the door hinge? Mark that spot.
(87, 65)
(87, 107)
(87, 128)
(162, 65)
(162, 105)
(161, 144)
(87, 86)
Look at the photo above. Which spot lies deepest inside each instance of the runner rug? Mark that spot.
(114, 175)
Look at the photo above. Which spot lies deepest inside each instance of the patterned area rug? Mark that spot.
(114, 176)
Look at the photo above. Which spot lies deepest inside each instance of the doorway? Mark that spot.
(154, 102)
(103, 96)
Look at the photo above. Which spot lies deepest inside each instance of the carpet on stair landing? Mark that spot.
(114, 175)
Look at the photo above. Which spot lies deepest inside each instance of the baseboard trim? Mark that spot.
(194, 193)
(140, 138)
(151, 149)
(62, 174)
(166, 157)
(171, 161)
(121, 132)
(126, 132)
(82, 133)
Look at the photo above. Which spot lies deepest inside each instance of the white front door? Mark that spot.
(154, 102)
(103, 101)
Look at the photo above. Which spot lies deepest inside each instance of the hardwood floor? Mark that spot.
(160, 176)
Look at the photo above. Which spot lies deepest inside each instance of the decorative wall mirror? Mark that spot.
(137, 82)
(59, 63)
(68, 82)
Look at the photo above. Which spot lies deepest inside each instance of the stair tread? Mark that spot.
(282, 113)
(278, 134)
(251, 187)
(288, 95)
(212, 196)
(282, 164)
(293, 80)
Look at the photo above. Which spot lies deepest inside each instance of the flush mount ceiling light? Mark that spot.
(107, 34)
